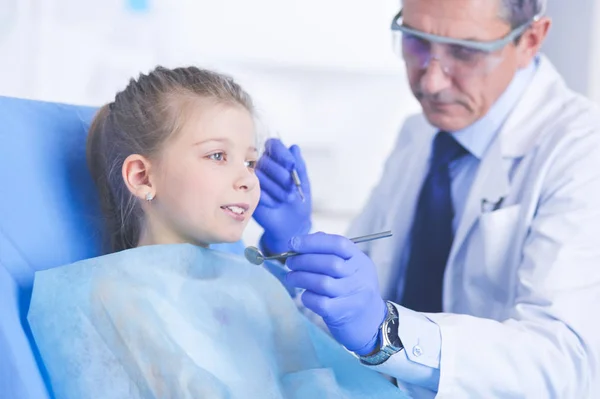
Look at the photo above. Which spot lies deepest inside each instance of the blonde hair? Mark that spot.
(140, 120)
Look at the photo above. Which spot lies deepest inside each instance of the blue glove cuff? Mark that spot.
(370, 346)
(376, 340)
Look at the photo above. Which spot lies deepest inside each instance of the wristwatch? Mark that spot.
(390, 342)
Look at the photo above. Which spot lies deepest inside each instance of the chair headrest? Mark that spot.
(49, 211)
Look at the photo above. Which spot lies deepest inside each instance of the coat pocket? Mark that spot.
(497, 231)
(487, 272)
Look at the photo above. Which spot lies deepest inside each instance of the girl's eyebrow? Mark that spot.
(223, 140)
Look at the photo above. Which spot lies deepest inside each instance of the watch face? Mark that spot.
(392, 334)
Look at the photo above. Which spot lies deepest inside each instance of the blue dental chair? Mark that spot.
(49, 216)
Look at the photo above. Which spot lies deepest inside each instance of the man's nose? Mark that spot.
(434, 79)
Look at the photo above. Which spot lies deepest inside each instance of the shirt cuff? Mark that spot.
(419, 362)
(420, 336)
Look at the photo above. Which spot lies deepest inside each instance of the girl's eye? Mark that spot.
(251, 164)
(217, 156)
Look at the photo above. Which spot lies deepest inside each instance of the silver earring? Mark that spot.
(149, 197)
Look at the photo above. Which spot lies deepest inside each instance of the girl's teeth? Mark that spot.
(236, 209)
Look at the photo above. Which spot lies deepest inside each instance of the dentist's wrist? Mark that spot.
(372, 347)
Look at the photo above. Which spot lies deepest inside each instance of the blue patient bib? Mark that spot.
(178, 321)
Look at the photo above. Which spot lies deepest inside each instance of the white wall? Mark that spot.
(17, 38)
(84, 49)
(574, 43)
(594, 70)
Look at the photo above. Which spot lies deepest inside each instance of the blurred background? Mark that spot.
(322, 72)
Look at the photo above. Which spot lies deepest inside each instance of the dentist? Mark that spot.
(491, 283)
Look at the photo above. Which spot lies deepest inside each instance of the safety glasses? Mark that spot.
(458, 58)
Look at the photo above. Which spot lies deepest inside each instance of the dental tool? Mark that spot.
(298, 184)
(256, 257)
(294, 174)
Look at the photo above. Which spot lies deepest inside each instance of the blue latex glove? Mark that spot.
(280, 211)
(341, 287)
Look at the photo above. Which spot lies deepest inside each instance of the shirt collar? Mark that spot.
(477, 137)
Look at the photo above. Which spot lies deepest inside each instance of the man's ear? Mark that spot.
(137, 177)
(532, 39)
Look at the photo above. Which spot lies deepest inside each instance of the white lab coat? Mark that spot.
(522, 283)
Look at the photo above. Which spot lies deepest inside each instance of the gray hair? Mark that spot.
(150, 110)
(518, 12)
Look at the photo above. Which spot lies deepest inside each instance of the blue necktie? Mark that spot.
(432, 233)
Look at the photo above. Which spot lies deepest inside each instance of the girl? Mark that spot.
(163, 315)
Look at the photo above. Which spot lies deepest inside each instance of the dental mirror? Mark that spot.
(256, 257)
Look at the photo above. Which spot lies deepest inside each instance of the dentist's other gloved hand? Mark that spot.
(281, 212)
(341, 287)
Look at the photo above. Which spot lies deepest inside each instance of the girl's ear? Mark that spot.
(136, 174)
